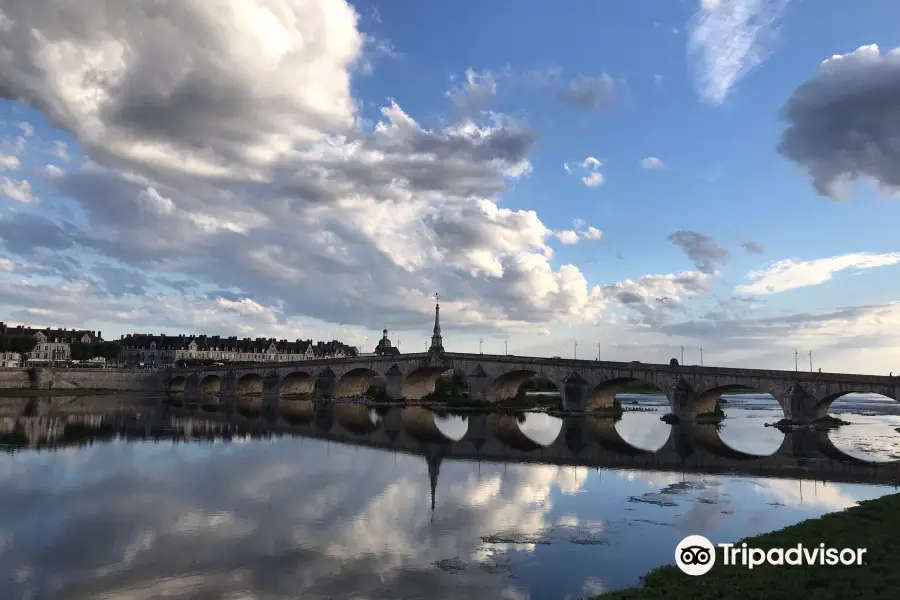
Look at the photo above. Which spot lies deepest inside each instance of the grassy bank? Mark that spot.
(873, 525)
(32, 393)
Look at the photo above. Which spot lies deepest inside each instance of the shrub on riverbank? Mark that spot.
(871, 525)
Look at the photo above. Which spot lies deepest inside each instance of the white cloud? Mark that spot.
(652, 162)
(6, 265)
(215, 191)
(593, 180)
(592, 233)
(567, 237)
(728, 39)
(27, 129)
(590, 163)
(53, 170)
(18, 190)
(658, 80)
(8, 163)
(790, 274)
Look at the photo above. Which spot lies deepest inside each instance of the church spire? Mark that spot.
(437, 342)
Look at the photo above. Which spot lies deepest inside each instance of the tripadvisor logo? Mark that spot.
(696, 555)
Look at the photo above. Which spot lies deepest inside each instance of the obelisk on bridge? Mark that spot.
(437, 342)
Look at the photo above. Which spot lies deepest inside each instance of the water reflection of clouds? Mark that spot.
(290, 516)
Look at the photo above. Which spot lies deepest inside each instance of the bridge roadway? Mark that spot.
(583, 384)
(582, 441)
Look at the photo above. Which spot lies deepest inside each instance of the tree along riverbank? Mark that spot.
(872, 525)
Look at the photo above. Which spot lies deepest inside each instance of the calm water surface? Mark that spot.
(306, 518)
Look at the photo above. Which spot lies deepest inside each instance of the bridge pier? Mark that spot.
(799, 405)
(326, 383)
(191, 390)
(393, 383)
(684, 400)
(575, 393)
(271, 396)
(228, 393)
(478, 386)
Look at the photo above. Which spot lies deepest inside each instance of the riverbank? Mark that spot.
(872, 525)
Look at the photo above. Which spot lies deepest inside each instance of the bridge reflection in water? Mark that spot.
(489, 437)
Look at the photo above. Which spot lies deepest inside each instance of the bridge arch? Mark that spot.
(250, 384)
(355, 382)
(708, 399)
(824, 405)
(603, 395)
(509, 385)
(176, 384)
(210, 386)
(298, 383)
(421, 382)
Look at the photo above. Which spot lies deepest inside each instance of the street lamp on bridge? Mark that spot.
(480, 342)
(701, 356)
(682, 355)
(506, 347)
(796, 364)
(575, 352)
(598, 350)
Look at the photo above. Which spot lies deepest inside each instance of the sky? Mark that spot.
(615, 179)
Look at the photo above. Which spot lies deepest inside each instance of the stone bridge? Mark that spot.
(584, 385)
(582, 440)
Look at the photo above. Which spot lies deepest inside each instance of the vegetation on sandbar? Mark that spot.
(871, 525)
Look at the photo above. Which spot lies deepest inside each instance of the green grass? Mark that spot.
(31, 393)
(873, 525)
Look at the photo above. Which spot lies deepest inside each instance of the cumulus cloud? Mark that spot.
(700, 248)
(790, 274)
(842, 122)
(6, 265)
(227, 149)
(568, 237)
(590, 93)
(652, 162)
(728, 39)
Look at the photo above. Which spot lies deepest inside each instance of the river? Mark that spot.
(305, 517)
